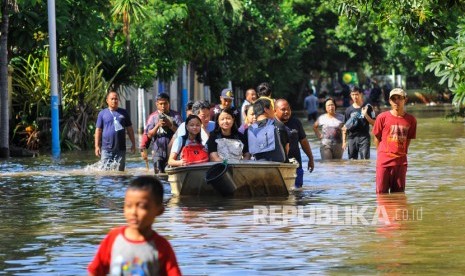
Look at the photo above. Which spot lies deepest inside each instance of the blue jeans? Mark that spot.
(109, 158)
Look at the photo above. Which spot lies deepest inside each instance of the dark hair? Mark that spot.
(111, 91)
(199, 105)
(327, 100)
(246, 108)
(355, 89)
(150, 184)
(229, 111)
(260, 105)
(189, 105)
(264, 89)
(163, 96)
(247, 91)
(198, 137)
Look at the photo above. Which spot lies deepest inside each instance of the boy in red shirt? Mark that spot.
(136, 249)
(393, 131)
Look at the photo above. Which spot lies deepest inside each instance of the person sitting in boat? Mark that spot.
(268, 138)
(201, 109)
(188, 149)
(226, 142)
(249, 119)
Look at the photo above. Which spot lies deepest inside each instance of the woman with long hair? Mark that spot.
(226, 142)
(188, 149)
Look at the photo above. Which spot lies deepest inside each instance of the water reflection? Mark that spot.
(54, 215)
(392, 209)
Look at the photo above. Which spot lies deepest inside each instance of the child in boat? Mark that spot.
(249, 119)
(226, 142)
(188, 149)
(136, 249)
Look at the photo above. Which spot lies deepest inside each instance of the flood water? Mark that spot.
(53, 214)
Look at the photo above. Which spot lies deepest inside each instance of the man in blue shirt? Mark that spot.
(110, 134)
(311, 105)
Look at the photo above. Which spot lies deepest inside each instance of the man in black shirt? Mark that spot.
(357, 138)
(297, 135)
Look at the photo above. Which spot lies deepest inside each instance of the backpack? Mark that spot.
(261, 139)
(193, 153)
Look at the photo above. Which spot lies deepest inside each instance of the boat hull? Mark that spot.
(251, 178)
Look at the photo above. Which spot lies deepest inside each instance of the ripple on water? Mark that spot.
(57, 213)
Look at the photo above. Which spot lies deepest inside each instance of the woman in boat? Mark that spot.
(331, 131)
(188, 149)
(226, 142)
(249, 119)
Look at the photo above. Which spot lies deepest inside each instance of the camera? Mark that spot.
(161, 116)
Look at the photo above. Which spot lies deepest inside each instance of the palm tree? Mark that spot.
(125, 10)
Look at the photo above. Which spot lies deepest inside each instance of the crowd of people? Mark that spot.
(263, 129)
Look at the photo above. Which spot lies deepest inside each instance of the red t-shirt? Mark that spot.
(394, 134)
(118, 255)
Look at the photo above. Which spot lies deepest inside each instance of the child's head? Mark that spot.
(143, 202)
(193, 127)
(250, 118)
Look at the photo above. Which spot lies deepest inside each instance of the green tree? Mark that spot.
(126, 11)
(449, 65)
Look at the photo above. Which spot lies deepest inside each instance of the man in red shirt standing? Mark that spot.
(393, 131)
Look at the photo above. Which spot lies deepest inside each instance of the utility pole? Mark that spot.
(54, 80)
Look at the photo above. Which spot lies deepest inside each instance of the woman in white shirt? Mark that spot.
(331, 131)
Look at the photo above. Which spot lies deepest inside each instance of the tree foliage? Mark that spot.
(284, 42)
(449, 65)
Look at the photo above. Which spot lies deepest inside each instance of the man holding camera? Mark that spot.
(160, 127)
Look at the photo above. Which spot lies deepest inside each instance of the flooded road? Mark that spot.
(54, 214)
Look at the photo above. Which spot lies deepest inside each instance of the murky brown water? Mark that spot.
(53, 216)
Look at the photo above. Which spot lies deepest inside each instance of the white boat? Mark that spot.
(239, 179)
